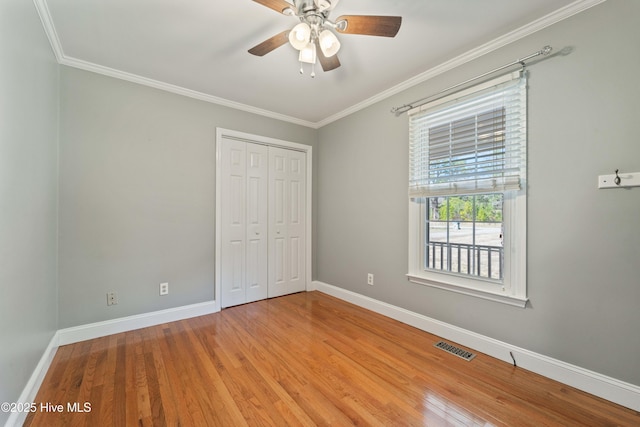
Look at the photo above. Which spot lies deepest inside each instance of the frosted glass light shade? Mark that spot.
(329, 43)
(300, 35)
(308, 54)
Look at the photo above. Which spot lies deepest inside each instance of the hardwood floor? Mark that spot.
(303, 359)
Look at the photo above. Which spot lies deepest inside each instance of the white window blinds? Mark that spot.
(470, 142)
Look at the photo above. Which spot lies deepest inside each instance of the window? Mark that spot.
(464, 235)
(467, 191)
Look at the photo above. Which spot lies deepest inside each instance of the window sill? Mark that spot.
(515, 301)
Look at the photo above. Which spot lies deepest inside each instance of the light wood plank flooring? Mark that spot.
(303, 359)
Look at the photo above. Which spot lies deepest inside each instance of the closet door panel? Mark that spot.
(257, 222)
(286, 223)
(296, 223)
(278, 258)
(294, 254)
(233, 220)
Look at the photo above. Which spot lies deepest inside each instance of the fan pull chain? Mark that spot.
(313, 70)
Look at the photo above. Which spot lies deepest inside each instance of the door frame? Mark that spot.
(270, 142)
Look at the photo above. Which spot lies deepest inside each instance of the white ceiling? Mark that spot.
(199, 47)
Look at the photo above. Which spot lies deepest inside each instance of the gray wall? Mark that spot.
(28, 195)
(137, 197)
(583, 243)
(137, 194)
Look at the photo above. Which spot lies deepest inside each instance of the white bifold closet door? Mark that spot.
(262, 222)
(244, 222)
(286, 221)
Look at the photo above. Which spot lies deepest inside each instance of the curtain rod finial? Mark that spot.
(546, 50)
(401, 109)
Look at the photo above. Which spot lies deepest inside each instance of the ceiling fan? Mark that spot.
(313, 36)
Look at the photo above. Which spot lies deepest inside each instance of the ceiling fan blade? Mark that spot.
(328, 64)
(385, 26)
(277, 5)
(270, 44)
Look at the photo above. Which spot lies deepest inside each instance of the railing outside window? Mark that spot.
(474, 260)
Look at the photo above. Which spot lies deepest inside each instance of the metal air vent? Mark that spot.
(456, 351)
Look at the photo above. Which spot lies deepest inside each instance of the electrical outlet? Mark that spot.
(164, 288)
(112, 298)
(370, 279)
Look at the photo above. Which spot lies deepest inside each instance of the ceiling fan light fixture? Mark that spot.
(323, 5)
(308, 54)
(329, 43)
(316, 35)
(300, 35)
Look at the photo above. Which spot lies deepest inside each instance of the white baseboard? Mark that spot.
(608, 388)
(130, 323)
(97, 330)
(30, 390)
(614, 390)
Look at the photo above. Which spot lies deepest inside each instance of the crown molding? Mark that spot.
(50, 30)
(122, 75)
(528, 29)
(475, 53)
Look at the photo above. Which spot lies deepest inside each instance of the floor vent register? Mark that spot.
(456, 351)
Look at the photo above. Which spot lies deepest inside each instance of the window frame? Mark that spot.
(451, 260)
(513, 289)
